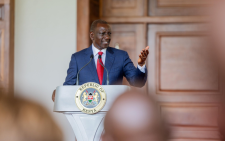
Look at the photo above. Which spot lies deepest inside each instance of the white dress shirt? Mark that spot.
(95, 53)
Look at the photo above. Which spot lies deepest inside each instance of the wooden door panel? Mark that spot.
(190, 114)
(2, 59)
(180, 62)
(195, 135)
(184, 79)
(192, 120)
(182, 3)
(6, 45)
(118, 8)
(194, 140)
(184, 62)
(181, 73)
(177, 7)
(131, 38)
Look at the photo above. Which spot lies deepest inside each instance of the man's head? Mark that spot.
(134, 117)
(100, 34)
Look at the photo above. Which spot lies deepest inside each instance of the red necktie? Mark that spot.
(100, 69)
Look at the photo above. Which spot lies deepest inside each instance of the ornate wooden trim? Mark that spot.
(11, 44)
(161, 19)
(83, 13)
(7, 47)
(84, 20)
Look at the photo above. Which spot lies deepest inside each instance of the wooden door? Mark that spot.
(184, 80)
(181, 73)
(6, 45)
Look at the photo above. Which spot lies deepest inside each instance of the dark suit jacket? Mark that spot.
(117, 62)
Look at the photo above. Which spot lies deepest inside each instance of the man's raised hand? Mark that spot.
(143, 56)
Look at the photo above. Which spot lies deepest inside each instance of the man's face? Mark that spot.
(101, 36)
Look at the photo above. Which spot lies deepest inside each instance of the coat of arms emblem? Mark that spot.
(90, 98)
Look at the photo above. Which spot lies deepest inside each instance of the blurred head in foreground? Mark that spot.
(134, 117)
(21, 120)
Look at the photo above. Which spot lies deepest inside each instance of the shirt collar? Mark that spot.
(95, 50)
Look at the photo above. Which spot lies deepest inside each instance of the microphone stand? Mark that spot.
(91, 57)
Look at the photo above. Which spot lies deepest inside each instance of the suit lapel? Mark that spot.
(91, 66)
(108, 63)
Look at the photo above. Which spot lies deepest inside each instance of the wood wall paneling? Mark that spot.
(192, 120)
(7, 46)
(190, 115)
(182, 3)
(83, 21)
(180, 74)
(202, 134)
(178, 7)
(157, 19)
(2, 66)
(185, 63)
(128, 8)
(3, 2)
(183, 75)
(182, 61)
(11, 44)
(87, 12)
(94, 10)
(195, 140)
(129, 37)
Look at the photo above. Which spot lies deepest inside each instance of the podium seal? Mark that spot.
(90, 98)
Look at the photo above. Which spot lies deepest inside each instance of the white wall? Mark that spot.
(45, 38)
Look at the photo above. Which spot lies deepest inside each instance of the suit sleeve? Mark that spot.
(134, 76)
(71, 72)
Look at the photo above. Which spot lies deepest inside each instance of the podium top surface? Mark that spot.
(65, 97)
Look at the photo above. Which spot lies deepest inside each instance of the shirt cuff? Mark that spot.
(142, 69)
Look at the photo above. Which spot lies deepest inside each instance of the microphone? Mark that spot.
(99, 57)
(91, 57)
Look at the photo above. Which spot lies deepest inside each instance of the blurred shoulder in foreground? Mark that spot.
(134, 117)
(22, 120)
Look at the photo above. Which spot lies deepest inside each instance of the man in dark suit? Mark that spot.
(117, 62)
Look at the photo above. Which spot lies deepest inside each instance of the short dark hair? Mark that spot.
(94, 24)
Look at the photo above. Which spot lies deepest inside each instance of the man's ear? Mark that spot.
(92, 35)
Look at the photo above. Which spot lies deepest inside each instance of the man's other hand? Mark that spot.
(53, 96)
